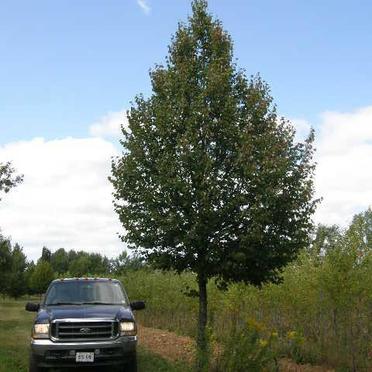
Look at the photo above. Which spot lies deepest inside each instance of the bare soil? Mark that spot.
(167, 344)
(290, 366)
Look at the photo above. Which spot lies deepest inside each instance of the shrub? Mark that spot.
(249, 348)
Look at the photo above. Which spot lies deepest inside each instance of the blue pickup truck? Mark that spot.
(84, 322)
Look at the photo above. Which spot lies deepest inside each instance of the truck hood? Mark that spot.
(117, 312)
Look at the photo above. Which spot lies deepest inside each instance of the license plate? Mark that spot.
(85, 357)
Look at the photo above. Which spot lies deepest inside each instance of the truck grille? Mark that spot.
(84, 330)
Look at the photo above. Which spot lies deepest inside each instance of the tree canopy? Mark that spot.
(211, 178)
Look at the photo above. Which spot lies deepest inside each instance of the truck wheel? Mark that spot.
(32, 367)
(131, 366)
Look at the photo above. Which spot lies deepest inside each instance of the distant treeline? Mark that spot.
(18, 276)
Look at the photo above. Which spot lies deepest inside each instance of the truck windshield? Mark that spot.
(85, 292)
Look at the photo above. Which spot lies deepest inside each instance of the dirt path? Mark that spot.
(289, 366)
(167, 344)
(182, 349)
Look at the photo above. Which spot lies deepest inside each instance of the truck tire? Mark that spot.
(131, 366)
(32, 366)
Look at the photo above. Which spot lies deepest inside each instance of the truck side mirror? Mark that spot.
(30, 306)
(137, 305)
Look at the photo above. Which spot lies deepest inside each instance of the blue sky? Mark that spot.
(64, 64)
(69, 68)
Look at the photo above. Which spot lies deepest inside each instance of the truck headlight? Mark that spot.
(128, 328)
(40, 331)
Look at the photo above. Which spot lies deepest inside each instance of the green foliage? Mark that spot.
(83, 264)
(294, 346)
(41, 277)
(5, 262)
(168, 307)
(46, 254)
(125, 262)
(13, 269)
(249, 348)
(326, 238)
(12, 261)
(80, 266)
(18, 277)
(60, 261)
(17, 285)
(79, 263)
(99, 264)
(28, 273)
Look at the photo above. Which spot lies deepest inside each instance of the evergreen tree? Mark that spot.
(46, 254)
(211, 179)
(17, 276)
(5, 264)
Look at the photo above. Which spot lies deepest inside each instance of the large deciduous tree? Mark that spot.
(211, 179)
(59, 261)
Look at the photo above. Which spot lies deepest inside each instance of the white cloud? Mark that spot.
(109, 125)
(144, 6)
(344, 155)
(65, 199)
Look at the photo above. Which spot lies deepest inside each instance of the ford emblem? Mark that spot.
(85, 330)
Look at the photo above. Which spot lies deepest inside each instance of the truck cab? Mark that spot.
(84, 322)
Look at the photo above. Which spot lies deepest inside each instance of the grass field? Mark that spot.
(15, 326)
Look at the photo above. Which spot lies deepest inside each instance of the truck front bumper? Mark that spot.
(49, 354)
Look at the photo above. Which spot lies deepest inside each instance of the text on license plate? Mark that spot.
(84, 357)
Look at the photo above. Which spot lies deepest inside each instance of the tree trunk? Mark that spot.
(202, 343)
